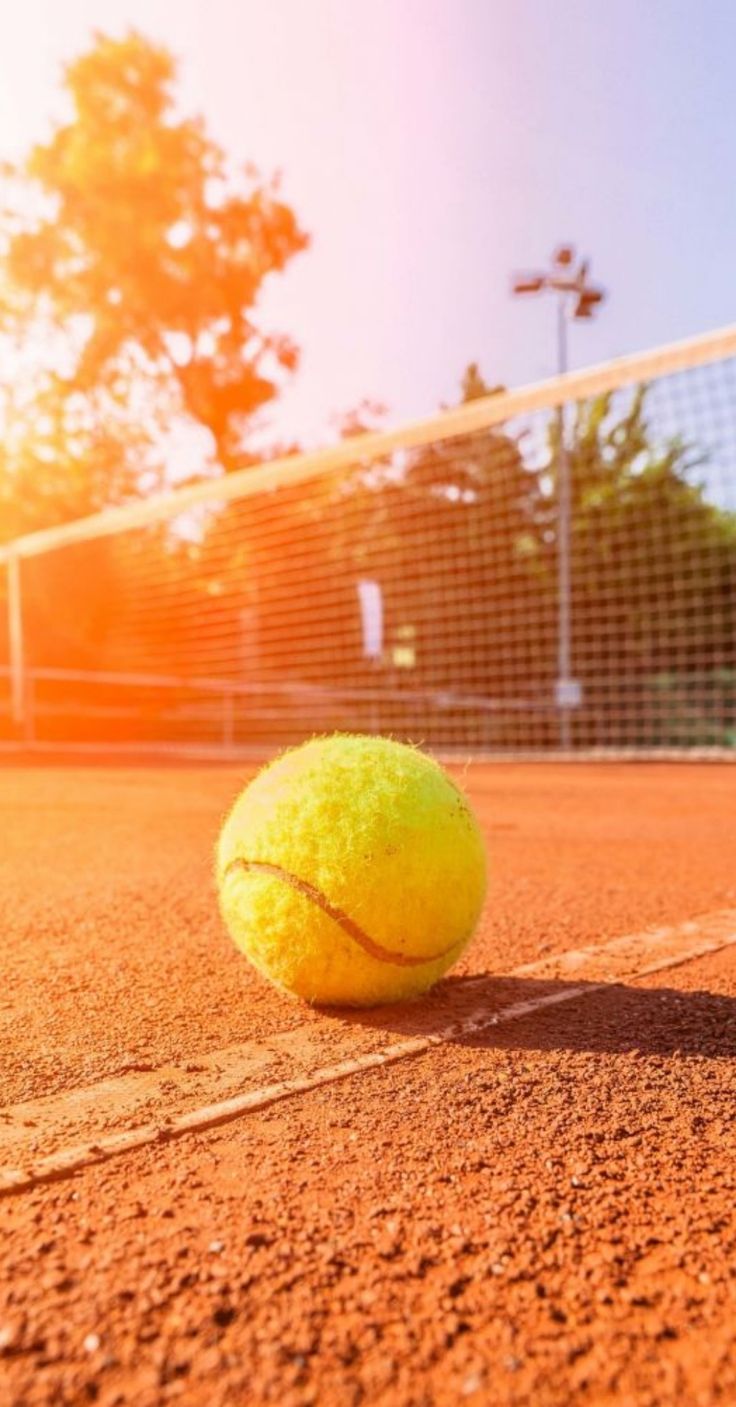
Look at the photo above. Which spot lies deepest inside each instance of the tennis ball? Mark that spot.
(351, 871)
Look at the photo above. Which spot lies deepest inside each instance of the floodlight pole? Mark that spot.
(564, 534)
(567, 281)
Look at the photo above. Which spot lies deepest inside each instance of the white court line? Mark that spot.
(595, 968)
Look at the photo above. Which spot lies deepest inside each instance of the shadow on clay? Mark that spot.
(610, 1018)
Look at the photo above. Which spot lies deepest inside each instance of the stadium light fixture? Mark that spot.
(577, 300)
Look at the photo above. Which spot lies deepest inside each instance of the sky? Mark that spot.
(432, 147)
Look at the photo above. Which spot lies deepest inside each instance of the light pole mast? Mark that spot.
(576, 298)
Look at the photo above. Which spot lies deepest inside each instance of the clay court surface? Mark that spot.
(517, 1190)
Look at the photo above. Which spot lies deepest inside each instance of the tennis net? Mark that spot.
(540, 570)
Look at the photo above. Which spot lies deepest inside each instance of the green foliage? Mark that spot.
(652, 558)
(654, 583)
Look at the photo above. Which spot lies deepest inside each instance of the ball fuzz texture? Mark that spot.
(351, 871)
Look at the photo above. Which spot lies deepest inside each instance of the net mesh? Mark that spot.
(412, 584)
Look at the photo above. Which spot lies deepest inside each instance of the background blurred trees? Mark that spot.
(460, 537)
(652, 557)
(131, 259)
(654, 580)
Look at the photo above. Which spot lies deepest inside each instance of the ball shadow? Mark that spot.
(564, 1016)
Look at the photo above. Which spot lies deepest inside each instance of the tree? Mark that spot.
(442, 532)
(462, 537)
(449, 533)
(653, 579)
(132, 259)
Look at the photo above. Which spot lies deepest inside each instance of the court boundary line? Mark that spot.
(687, 942)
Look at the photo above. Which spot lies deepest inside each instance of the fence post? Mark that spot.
(15, 642)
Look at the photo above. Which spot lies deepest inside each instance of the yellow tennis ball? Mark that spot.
(351, 871)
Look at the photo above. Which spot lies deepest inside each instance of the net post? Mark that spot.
(18, 701)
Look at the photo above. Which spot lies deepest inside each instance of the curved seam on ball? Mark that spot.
(346, 923)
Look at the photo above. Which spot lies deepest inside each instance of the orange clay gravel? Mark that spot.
(537, 1211)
